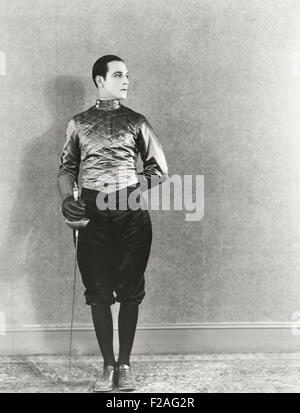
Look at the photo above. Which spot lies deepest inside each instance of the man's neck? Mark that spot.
(112, 104)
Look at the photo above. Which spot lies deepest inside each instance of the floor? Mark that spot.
(206, 373)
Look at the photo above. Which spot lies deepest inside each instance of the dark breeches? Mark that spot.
(113, 251)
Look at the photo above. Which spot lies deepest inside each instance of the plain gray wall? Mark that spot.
(219, 82)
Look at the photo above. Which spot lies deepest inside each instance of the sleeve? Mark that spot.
(69, 161)
(155, 169)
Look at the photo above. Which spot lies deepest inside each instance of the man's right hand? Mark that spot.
(73, 210)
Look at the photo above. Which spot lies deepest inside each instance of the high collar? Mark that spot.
(107, 104)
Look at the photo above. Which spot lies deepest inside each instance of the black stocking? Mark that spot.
(103, 323)
(127, 321)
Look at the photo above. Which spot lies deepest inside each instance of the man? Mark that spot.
(113, 249)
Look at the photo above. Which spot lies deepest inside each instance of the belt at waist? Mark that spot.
(94, 192)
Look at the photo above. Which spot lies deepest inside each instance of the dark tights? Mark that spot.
(103, 324)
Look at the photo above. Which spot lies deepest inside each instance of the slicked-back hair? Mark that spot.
(100, 67)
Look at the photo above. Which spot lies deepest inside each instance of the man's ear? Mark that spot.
(99, 80)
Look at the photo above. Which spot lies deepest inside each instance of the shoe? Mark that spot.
(105, 382)
(125, 380)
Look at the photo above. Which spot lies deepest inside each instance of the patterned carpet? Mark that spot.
(206, 373)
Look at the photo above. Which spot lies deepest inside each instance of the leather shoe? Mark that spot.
(125, 380)
(105, 382)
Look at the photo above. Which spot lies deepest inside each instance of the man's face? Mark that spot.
(115, 85)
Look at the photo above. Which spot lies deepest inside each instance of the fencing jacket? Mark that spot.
(106, 140)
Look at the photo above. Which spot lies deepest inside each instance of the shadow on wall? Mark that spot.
(31, 257)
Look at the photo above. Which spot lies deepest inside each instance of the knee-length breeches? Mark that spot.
(113, 251)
